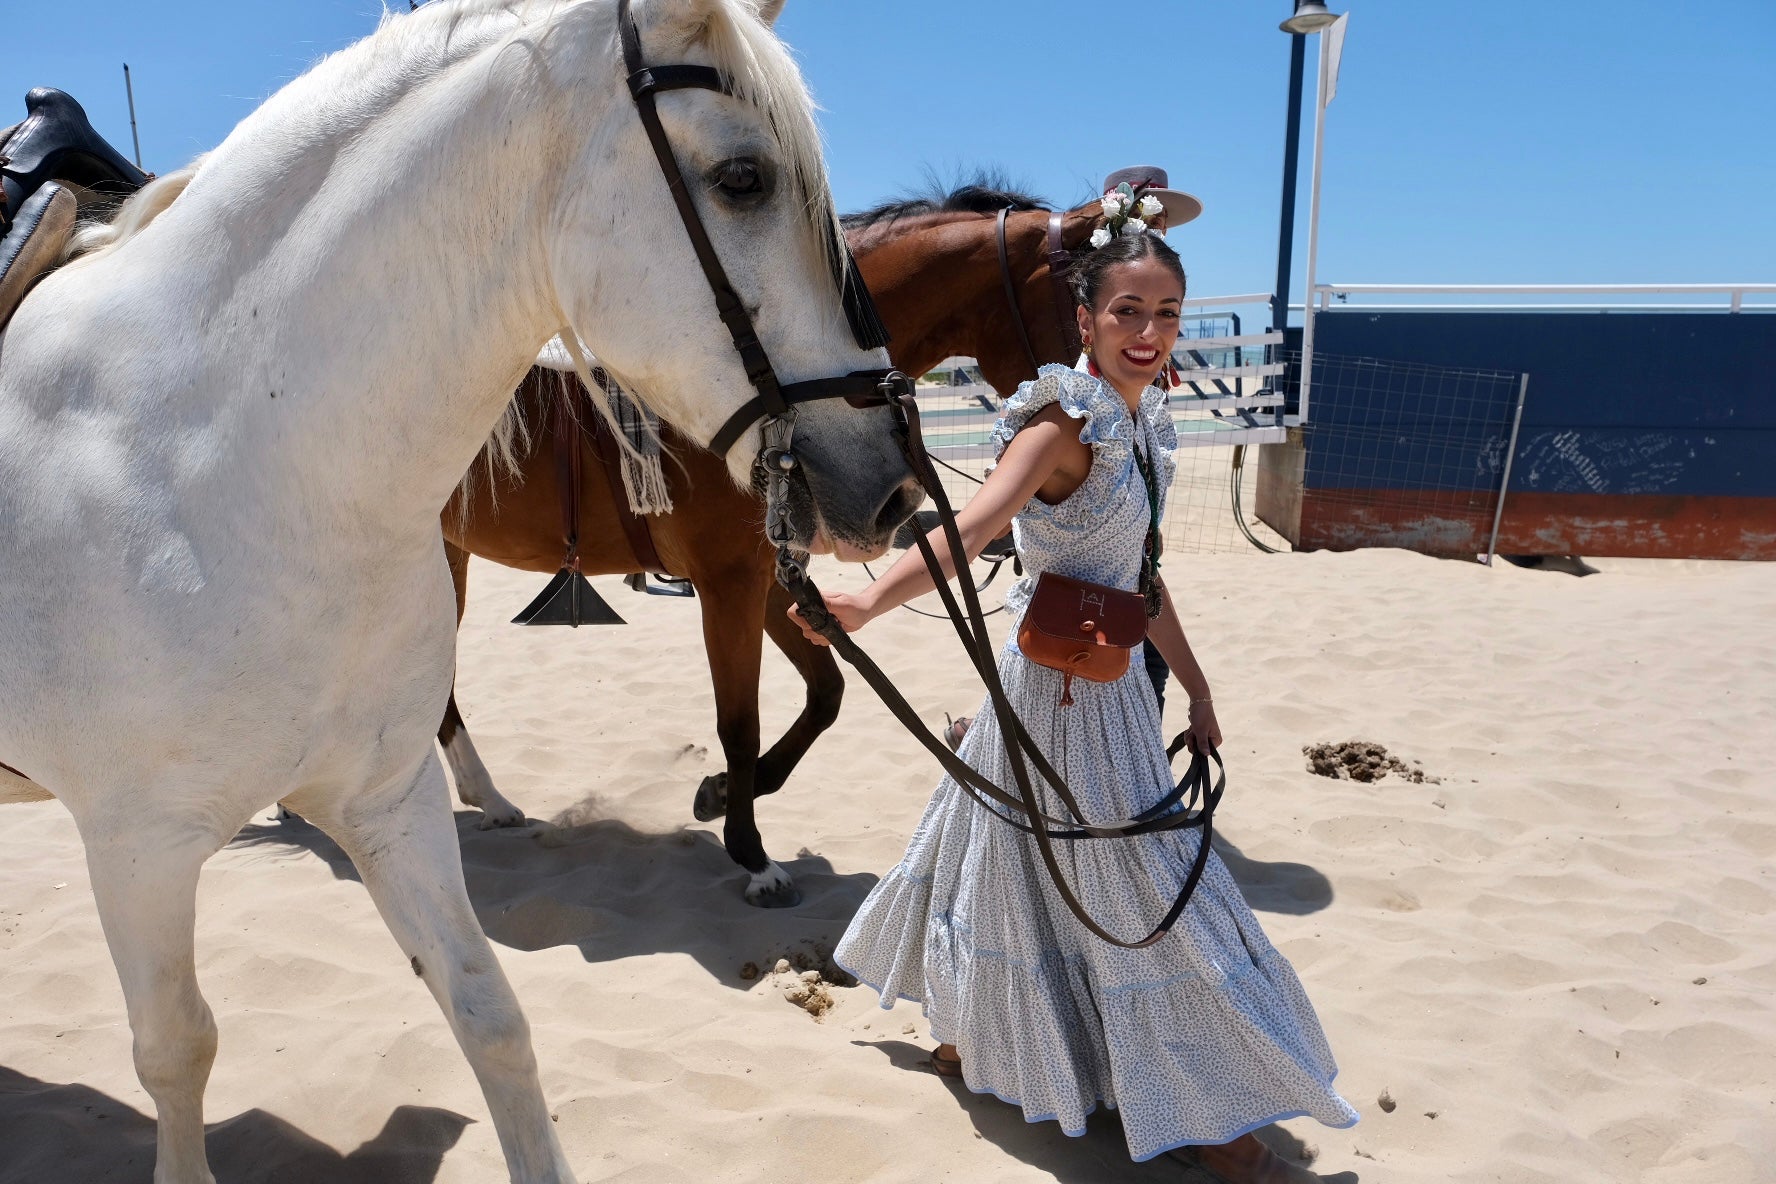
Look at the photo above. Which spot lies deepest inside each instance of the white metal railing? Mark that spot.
(1736, 293)
(1225, 301)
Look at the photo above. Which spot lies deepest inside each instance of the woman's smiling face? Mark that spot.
(1132, 330)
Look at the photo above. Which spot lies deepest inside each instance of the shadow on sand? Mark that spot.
(1101, 1154)
(75, 1135)
(1281, 887)
(614, 891)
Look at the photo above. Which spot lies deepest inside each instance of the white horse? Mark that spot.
(226, 434)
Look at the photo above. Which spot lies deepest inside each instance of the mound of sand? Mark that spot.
(1361, 760)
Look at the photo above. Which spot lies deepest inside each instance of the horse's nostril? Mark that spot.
(898, 508)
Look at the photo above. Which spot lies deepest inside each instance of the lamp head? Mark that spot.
(1310, 17)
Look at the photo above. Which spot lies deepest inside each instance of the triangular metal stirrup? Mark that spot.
(568, 600)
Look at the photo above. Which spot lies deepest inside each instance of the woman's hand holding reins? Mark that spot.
(850, 611)
(1203, 726)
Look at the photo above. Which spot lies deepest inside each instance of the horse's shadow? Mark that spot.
(73, 1134)
(615, 891)
(1101, 1154)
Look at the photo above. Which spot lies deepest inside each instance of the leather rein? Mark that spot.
(1190, 805)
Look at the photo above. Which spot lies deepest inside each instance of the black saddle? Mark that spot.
(57, 143)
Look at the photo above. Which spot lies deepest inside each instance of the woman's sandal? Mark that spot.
(1245, 1160)
(955, 730)
(945, 1065)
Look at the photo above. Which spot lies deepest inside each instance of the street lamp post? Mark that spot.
(1310, 17)
(1279, 300)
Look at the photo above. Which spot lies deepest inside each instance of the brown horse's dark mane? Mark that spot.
(986, 196)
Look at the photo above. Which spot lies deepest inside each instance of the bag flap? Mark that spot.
(1074, 610)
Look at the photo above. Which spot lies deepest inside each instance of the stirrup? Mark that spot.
(568, 600)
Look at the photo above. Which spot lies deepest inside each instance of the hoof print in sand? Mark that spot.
(1361, 760)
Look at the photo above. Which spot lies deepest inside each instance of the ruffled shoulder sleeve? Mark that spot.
(1103, 419)
(1162, 434)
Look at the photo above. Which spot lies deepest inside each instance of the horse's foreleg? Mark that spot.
(826, 689)
(473, 783)
(733, 633)
(144, 878)
(404, 844)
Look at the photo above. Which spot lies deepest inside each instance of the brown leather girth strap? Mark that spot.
(609, 455)
(1059, 260)
(567, 470)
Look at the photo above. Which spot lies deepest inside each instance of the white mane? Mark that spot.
(440, 33)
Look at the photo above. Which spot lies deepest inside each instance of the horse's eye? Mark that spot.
(738, 178)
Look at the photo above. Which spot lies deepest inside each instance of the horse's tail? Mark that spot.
(16, 787)
(142, 207)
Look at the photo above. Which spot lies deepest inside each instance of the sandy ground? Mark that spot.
(1558, 962)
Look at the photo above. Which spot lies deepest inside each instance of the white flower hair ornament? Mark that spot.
(1125, 213)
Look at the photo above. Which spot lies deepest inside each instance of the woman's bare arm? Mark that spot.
(1166, 632)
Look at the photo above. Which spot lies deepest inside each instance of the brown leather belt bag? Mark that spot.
(1082, 629)
(1086, 630)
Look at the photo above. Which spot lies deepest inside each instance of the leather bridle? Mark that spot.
(1059, 259)
(861, 388)
(775, 404)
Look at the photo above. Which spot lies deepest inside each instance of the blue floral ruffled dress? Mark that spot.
(1198, 1039)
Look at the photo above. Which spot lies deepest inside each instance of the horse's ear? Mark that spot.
(770, 10)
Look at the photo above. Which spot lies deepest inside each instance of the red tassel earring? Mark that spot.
(1091, 363)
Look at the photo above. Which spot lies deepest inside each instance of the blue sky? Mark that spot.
(1510, 141)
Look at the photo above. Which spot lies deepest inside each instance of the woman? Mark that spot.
(1207, 1035)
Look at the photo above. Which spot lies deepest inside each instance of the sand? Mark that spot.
(1556, 962)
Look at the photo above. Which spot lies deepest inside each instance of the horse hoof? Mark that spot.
(773, 889)
(499, 819)
(711, 801)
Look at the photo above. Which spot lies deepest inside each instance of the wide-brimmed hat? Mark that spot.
(1179, 207)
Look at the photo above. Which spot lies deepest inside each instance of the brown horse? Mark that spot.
(933, 266)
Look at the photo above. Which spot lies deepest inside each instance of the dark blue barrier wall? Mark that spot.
(1642, 433)
(1630, 403)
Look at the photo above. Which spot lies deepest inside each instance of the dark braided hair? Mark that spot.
(1087, 274)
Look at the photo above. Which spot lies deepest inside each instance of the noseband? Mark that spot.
(860, 388)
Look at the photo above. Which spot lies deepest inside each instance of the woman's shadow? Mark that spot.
(614, 891)
(73, 1134)
(1099, 1155)
(1279, 887)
